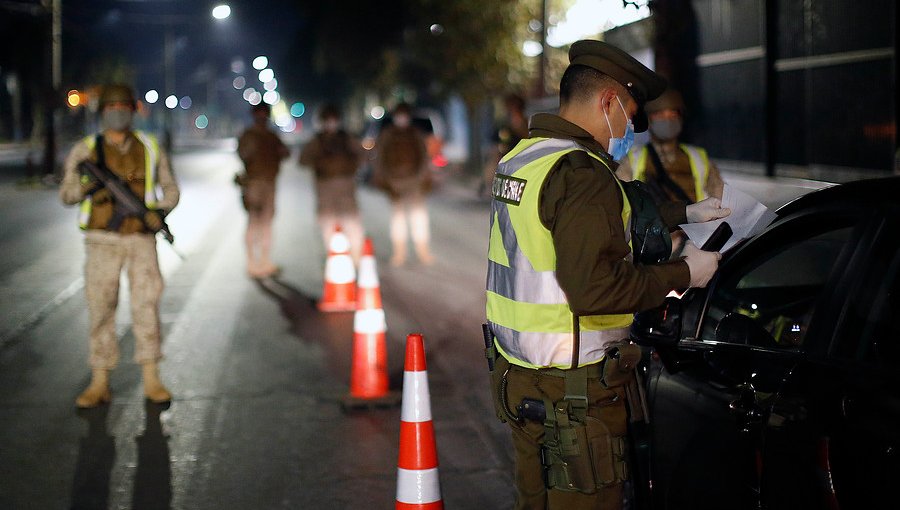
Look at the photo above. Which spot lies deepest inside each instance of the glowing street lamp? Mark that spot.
(221, 11)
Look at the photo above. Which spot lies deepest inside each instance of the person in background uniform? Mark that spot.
(401, 170)
(562, 288)
(507, 136)
(689, 174)
(334, 156)
(136, 158)
(261, 151)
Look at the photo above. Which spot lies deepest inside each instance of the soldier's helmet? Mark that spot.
(116, 92)
(669, 100)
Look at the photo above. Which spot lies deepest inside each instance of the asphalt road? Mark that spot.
(256, 371)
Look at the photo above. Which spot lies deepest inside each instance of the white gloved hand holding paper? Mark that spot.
(748, 217)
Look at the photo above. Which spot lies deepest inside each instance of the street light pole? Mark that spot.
(50, 114)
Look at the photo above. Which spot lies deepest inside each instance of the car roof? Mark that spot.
(866, 192)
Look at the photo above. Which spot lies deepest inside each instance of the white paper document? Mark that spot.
(748, 217)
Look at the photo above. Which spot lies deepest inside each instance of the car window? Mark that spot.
(778, 289)
(870, 331)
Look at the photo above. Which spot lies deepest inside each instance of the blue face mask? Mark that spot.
(619, 147)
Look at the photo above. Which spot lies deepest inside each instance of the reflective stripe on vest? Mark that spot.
(152, 189)
(526, 308)
(697, 157)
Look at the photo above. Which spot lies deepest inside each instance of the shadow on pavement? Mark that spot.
(96, 455)
(334, 331)
(153, 477)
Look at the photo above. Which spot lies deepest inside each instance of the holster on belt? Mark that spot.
(619, 370)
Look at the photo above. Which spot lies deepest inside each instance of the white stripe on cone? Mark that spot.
(417, 408)
(339, 269)
(369, 322)
(368, 276)
(418, 486)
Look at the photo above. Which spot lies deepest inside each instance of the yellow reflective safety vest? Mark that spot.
(527, 310)
(697, 157)
(152, 189)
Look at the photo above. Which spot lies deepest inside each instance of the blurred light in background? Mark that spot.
(436, 29)
(237, 66)
(260, 63)
(185, 102)
(239, 82)
(271, 97)
(201, 122)
(151, 96)
(171, 102)
(271, 84)
(532, 48)
(266, 75)
(221, 11)
(255, 98)
(377, 112)
(249, 92)
(73, 98)
(298, 109)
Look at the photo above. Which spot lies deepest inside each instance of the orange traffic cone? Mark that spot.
(368, 376)
(418, 484)
(339, 293)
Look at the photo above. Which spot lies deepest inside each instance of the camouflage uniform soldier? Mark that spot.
(261, 151)
(334, 156)
(136, 158)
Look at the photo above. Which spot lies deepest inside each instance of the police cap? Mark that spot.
(642, 83)
(116, 92)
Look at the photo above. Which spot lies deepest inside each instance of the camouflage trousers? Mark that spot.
(108, 253)
(336, 205)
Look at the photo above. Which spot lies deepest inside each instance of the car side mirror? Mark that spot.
(736, 328)
(660, 326)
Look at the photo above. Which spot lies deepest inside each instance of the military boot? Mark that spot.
(97, 392)
(153, 388)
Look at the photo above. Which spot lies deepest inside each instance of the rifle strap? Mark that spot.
(98, 148)
(663, 177)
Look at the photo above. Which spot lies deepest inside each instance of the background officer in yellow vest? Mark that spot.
(136, 158)
(689, 175)
(562, 287)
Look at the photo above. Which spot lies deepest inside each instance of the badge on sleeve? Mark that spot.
(508, 189)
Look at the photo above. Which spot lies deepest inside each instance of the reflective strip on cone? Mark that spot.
(416, 405)
(369, 322)
(368, 276)
(418, 487)
(339, 269)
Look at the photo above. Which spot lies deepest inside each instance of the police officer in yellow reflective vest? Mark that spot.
(687, 173)
(562, 288)
(114, 245)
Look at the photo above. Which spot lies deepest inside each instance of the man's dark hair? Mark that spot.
(261, 107)
(329, 111)
(579, 82)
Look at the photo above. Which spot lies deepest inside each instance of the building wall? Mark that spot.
(833, 85)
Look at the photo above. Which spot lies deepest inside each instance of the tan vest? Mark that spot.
(131, 167)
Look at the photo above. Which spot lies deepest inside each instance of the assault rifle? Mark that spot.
(125, 203)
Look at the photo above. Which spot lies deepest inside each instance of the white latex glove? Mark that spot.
(706, 210)
(702, 264)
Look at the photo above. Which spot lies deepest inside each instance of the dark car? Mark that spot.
(777, 386)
